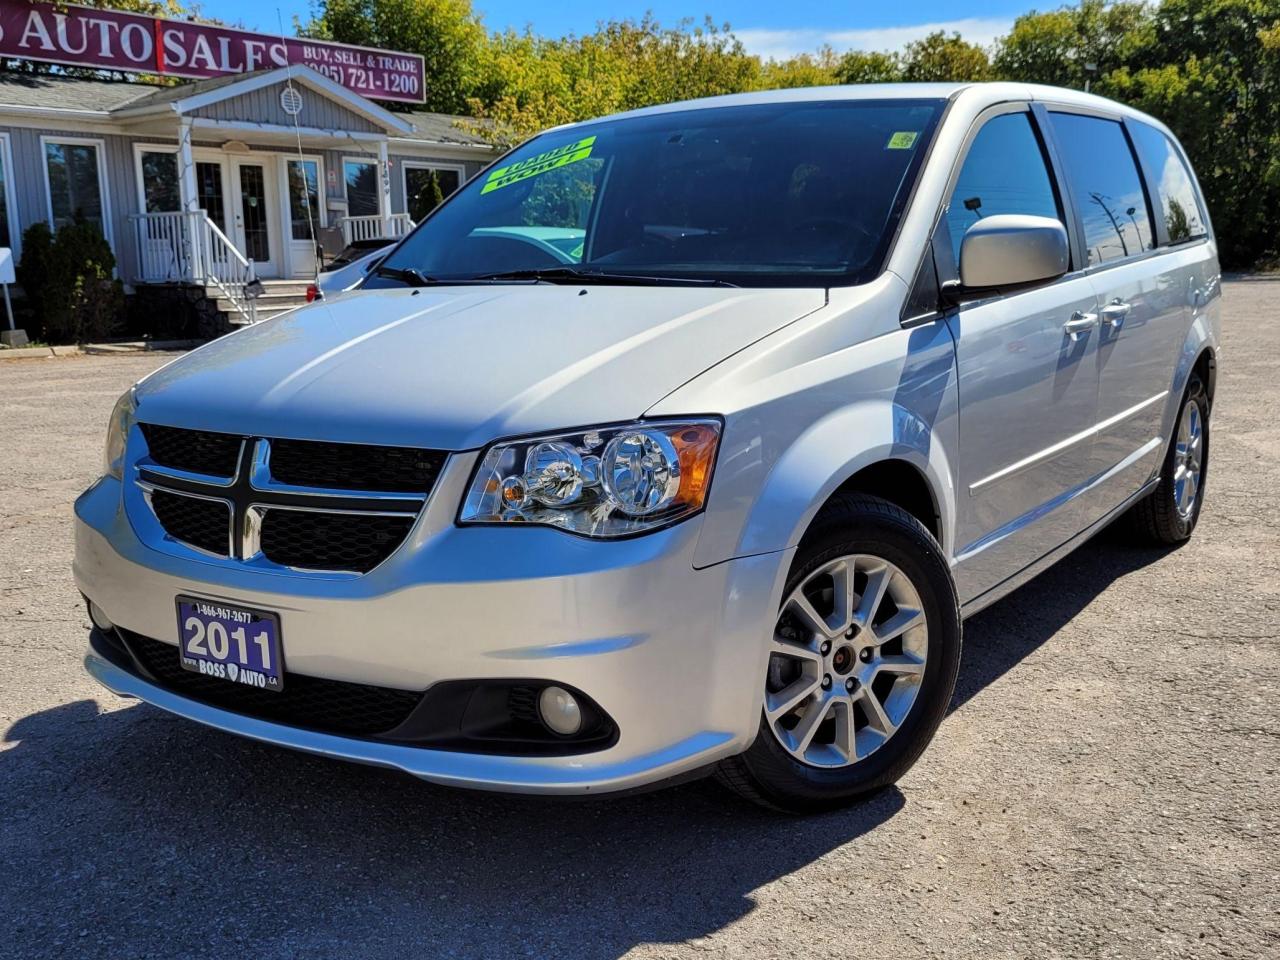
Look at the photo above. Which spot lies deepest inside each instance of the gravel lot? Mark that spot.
(1108, 784)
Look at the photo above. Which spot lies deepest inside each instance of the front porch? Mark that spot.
(189, 249)
(260, 178)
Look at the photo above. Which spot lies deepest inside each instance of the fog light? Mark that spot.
(99, 618)
(560, 711)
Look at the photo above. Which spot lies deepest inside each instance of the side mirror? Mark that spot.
(1009, 252)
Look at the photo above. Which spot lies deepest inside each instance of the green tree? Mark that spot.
(803, 70)
(860, 66)
(529, 83)
(1211, 70)
(447, 33)
(1069, 46)
(939, 57)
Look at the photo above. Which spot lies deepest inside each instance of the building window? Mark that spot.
(424, 187)
(361, 177)
(160, 191)
(75, 183)
(304, 192)
(209, 190)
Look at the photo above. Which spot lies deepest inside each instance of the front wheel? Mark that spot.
(862, 661)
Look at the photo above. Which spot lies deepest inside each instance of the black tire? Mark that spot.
(769, 775)
(1155, 518)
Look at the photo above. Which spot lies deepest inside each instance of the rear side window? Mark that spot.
(1005, 172)
(1183, 216)
(1108, 190)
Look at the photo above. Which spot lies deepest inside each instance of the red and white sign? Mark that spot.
(112, 40)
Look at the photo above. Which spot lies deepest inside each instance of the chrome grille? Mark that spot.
(301, 505)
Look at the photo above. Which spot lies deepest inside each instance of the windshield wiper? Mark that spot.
(568, 274)
(407, 275)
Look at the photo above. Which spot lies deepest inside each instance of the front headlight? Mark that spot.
(606, 482)
(117, 434)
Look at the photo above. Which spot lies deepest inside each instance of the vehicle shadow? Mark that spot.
(132, 833)
(136, 833)
(1000, 637)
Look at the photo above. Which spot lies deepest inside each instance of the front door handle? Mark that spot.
(1115, 312)
(1080, 324)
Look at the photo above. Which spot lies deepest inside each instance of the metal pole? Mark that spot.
(8, 307)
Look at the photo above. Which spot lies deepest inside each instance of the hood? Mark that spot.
(454, 368)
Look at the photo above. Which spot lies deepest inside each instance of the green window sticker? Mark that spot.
(544, 162)
(902, 140)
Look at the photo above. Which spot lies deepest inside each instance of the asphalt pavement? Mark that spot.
(1106, 785)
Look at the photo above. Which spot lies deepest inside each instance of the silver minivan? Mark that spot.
(679, 441)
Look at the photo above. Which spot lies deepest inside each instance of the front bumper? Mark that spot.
(673, 654)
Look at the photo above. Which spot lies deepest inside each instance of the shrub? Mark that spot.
(67, 279)
(34, 273)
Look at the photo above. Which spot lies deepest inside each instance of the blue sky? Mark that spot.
(768, 28)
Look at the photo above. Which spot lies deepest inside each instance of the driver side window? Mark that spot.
(1005, 172)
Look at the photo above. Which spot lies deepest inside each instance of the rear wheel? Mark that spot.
(1169, 513)
(863, 661)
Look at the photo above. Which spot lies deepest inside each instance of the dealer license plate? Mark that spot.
(230, 643)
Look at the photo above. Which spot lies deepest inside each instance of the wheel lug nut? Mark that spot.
(866, 654)
(826, 647)
(826, 682)
(851, 684)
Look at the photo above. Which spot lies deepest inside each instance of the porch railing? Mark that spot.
(188, 247)
(376, 228)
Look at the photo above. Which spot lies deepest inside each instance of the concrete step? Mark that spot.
(291, 288)
(265, 312)
(278, 304)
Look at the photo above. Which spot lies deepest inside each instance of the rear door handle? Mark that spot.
(1080, 324)
(1115, 312)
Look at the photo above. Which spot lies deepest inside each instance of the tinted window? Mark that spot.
(1183, 219)
(797, 193)
(160, 182)
(1105, 182)
(1004, 172)
(75, 186)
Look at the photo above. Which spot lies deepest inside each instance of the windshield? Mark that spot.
(770, 194)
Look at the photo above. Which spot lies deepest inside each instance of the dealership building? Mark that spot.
(212, 184)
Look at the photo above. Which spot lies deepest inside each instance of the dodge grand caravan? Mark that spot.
(677, 441)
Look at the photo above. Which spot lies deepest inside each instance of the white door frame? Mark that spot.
(272, 266)
(299, 254)
(289, 257)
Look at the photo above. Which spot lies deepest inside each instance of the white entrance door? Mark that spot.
(253, 208)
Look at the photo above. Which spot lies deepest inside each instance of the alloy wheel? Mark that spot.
(1188, 459)
(846, 661)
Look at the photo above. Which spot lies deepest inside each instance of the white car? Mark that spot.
(678, 441)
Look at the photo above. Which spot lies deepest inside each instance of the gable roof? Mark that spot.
(201, 93)
(51, 91)
(443, 128)
(123, 99)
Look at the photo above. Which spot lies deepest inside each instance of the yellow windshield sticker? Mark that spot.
(542, 163)
(902, 140)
